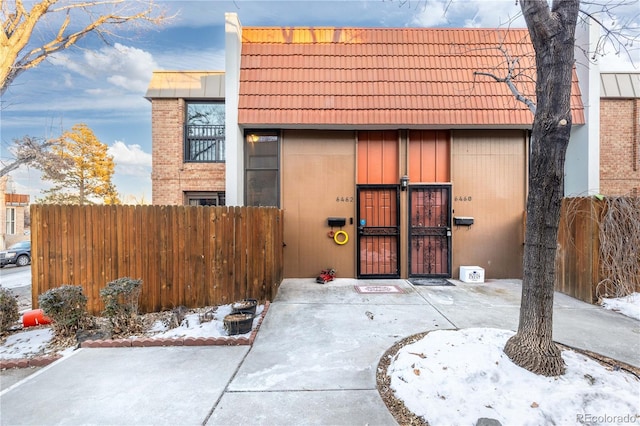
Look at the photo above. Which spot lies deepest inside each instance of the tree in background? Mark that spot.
(34, 152)
(59, 25)
(87, 178)
(20, 51)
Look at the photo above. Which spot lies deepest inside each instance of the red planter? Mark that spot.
(35, 317)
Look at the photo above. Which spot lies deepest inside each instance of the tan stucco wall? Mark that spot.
(489, 184)
(318, 181)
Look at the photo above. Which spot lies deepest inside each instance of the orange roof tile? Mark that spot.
(395, 77)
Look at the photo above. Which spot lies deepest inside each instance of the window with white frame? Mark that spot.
(11, 221)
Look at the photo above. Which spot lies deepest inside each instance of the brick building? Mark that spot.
(183, 172)
(620, 134)
(384, 136)
(13, 209)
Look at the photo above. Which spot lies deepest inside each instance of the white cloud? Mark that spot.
(123, 66)
(132, 176)
(469, 14)
(129, 155)
(433, 14)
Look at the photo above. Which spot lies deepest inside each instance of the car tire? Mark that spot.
(22, 260)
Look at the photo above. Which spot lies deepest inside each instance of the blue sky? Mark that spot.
(103, 85)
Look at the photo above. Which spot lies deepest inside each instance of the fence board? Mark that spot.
(577, 257)
(191, 256)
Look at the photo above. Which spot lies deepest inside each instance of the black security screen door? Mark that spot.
(430, 231)
(378, 231)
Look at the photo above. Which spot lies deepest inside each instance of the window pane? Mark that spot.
(262, 155)
(205, 113)
(11, 221)
(262, 188)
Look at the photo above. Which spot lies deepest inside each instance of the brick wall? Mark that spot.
(620, 146)
(170, 176)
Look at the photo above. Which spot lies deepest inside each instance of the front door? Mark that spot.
(430, 231)
(378, 231)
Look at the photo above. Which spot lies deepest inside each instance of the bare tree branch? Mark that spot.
(19, 24)
(37, 153)
(508, 79)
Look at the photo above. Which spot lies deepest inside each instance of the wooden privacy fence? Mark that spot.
(190, 256)
(588, 266)
(577, 258)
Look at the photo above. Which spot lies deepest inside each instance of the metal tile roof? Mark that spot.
(384, 77)
(620, 85)
(186, 84)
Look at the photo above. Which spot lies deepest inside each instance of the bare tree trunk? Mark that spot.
(552, 33)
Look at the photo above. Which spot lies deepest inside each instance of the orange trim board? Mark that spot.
(378, 289)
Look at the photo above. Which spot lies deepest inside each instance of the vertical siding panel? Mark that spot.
(163, 264)
(110, 257)
(201, 240)
(94, 258)
(35, 212)
(218, 257)
(181, 255)
(143, 224)
(136, 249)
(153, 258)
(240, 256)
(64, 242)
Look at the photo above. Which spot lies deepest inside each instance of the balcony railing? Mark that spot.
(204, 143)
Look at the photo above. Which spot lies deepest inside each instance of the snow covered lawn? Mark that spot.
(34, 341)
(629, 305)
(455, 377)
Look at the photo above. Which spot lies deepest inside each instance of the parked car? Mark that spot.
(18, 254)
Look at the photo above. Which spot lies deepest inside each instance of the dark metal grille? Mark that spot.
(378, 231)
(430, 231)
(204, 143)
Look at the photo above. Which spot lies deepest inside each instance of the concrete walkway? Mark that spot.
(313, 362)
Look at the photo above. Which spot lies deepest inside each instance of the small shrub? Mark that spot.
(67, 307)
(121, 298)
(8, 309)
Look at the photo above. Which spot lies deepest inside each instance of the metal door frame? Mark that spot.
(447, 230)
(362, 231)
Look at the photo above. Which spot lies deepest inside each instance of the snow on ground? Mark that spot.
(33, 341)
(629, 305)
(456, 377)
(30, 342)
(192, 327)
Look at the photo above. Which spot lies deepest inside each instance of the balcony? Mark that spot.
(204, 143)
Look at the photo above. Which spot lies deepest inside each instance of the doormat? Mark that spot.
(379, 289)
(433, 282)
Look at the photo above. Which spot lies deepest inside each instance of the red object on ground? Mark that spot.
(326, 275)
(35, 317)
